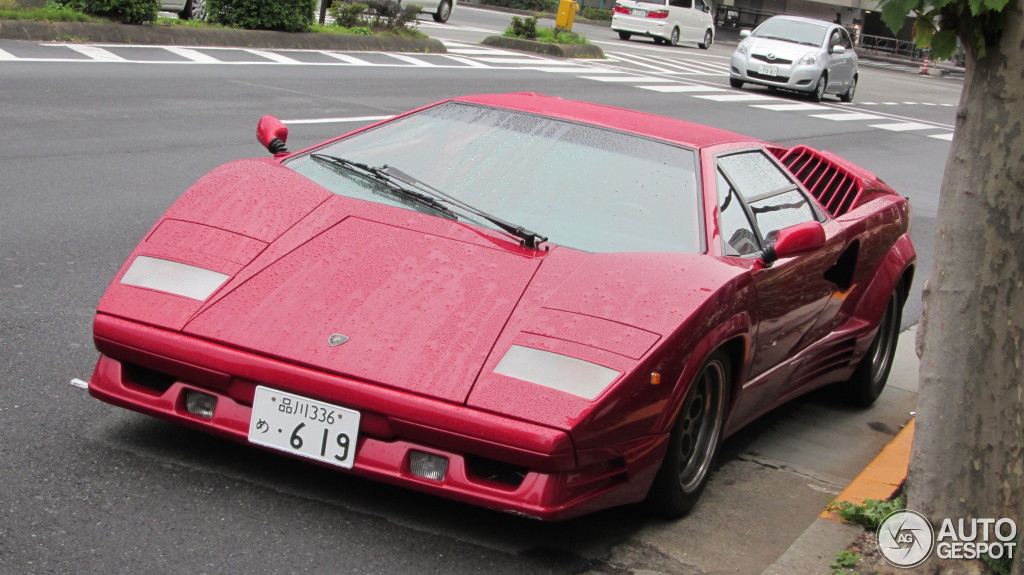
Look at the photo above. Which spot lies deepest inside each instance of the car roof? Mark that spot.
(821, 23)
(679, 132)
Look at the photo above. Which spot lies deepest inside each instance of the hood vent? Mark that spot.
(835, 187)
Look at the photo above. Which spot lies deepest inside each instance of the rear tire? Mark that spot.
(625, 35)
(693, 442)
(868, 380)
(444, 11)
(193, 10)
(847, 96)
(674, 38)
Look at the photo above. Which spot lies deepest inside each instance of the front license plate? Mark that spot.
(305, 427)
(768, 70)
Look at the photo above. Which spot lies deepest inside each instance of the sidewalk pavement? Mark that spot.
(816, 548)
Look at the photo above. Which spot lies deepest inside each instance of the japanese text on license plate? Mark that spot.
(304, 426)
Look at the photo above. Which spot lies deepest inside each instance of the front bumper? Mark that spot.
(788, 76)
(495, 462)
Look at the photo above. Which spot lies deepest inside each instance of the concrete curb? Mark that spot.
(185, 36)
(815, 549)
(558, 50)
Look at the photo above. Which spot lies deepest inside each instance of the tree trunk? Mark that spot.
(967, 459)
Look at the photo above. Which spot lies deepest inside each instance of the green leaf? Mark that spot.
(943, 44)
(923, 33)
(994, 5)
(894, 12)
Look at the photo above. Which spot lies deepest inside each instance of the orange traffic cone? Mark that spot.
(924, 66)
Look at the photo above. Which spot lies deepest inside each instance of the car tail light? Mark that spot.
(658, 14)
(619, 8)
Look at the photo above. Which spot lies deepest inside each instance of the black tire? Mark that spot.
(194, 10)
(444, 11)
(868, 380)
(819, 89)
(736, 83)
(625, 35)
(693, 442)
(673, 39)
(847, 96)
(708, 39)
(658, 40)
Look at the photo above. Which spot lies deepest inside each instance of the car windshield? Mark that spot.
(796, 31)
(585, 187)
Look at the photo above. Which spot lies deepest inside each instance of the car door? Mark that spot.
(757, 198)
(840, 66)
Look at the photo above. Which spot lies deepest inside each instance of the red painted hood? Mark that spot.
(420, 311)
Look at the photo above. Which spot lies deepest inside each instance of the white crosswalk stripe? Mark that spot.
(96, 53)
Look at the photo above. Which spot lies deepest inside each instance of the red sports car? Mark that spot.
(536, 305)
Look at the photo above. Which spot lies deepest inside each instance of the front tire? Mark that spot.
(736, 83)
(444, 11)
(868, 380)
(625, 35)
(819, 89)
(708, 39)
(693, 442)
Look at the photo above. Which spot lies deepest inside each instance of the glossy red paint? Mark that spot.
(431, 305)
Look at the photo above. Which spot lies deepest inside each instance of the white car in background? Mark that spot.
(793, 53)
(667, 21)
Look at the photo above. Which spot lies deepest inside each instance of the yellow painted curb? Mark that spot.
(882, 477)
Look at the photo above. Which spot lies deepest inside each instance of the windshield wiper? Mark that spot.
(530, 239)
(377, 175)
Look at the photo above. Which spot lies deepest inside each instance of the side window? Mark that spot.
(738, 238)
(835, 39)
(681, 3)
(774, 200)
(846, 40)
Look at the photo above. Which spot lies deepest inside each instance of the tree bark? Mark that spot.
(967, 459)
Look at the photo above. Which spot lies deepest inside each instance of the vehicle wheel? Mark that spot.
(819, 89)
(848, 95)
(708, 39)
(868, 380)
(625, 35)
(693, 442)
(444, 11)
(194, 10)
(736, 83)
(673, 40)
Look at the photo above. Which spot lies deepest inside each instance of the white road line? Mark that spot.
(737, 98)
(948, 137)
(505, 60)
(681, 89)
(348, 59)
(192, 55)
(96, 53)
(272, 56)
(466, 61)
(570, 70)
(624, 58)
(338, 120)
(847, 117)
(903, 126)
(413, 61)
(4, 55)
(644, 79)
(790, 107)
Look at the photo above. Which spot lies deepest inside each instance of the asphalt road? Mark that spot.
(93, 152)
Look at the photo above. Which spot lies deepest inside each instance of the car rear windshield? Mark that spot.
(797, 31)
(582, 186)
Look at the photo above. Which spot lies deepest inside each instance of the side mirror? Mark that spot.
(273, 134)
(792, 241)
(839, 50)
(744, 33)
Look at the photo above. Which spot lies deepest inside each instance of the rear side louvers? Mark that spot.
(835, 187)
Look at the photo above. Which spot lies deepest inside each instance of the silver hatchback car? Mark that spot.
(794, 53)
